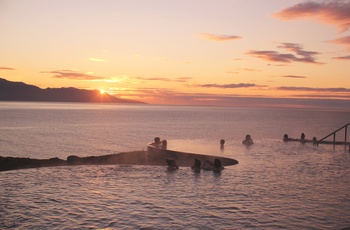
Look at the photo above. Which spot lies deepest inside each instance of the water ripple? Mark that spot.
(305, 192)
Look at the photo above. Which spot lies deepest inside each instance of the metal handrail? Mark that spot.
(333, 133)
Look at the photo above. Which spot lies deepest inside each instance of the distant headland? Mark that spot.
(19, 91)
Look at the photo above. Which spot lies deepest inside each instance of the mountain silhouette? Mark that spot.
(19, 91)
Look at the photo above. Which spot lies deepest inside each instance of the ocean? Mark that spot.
(276, 185)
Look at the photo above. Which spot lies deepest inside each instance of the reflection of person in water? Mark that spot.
(248, 140)
(302, 138)
(197, 165)
(222, 145)
(171, 164)
(217, 165)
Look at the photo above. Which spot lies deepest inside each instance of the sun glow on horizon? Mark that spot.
(209, 64)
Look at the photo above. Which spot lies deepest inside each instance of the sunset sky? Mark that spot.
(190, 52)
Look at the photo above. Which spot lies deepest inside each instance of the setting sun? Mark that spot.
(102, 91)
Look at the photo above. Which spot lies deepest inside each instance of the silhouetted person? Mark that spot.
(222, 145)
(171, 164)
(217, 165)
(248, 140)
(314, 141)
(302, 136)
(285, 137)
(197, 165)
(164, 144)
(157, 142)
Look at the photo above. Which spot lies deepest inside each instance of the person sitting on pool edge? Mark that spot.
(156, 142)
(248, 140)
(164, 144)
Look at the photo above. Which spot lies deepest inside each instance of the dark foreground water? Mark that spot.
(276, 185)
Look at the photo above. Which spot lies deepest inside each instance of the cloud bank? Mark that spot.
(168, 96)
(180, 79)
(69, 74)
(334, 12)
(311, 89)
(299, 55)
(227, 86)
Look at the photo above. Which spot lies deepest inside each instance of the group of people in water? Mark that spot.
(206, 165)
(163, 144)
(302, 139)
(248, 141)
(197, 166)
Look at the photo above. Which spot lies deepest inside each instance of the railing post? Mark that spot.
(346, 134)
(334, 139)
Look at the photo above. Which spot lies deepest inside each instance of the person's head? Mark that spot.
(157, 140)
(171, 162)
(247, 137)
(222, 142)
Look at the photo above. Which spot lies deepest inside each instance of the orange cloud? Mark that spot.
(6, 68)
(299, 56)
(334, 12)
(342, 58)
(345, 97)
(180, 79)
(98, 60)
(214, 37)
(311, 89)
(229, 86)
(293, 76)
(342, 41)
(68, 74)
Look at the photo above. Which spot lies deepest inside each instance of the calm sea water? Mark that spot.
(276, 185)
